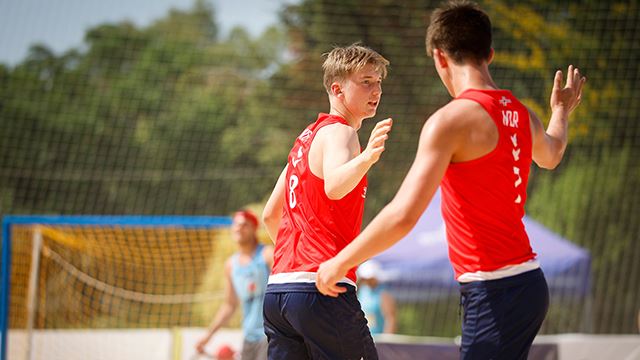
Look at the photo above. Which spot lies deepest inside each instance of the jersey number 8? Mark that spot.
(293, 183)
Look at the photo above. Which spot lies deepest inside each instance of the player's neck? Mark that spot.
(465, 77)
(344, 113)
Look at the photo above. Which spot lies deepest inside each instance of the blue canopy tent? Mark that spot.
(418, 266)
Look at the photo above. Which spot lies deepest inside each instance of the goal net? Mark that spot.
(78, 284)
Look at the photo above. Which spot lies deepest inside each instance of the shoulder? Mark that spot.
(336, 136)
(461, 116)
(449, 129)
(454, 117)
(462, 111)
(336, 129)
(457, 112)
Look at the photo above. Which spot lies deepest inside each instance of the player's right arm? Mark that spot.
(439, 140)
(549, 145)
(343, 165)
(388, 307)
(272, 212)
(225, 312)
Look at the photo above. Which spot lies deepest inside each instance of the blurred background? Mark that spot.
(181, 107)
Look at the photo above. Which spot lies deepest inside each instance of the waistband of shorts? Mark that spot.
(300, 287)
(300, 277)
(519, 279)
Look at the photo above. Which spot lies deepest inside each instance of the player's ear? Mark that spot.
(440, 58)
(491, 54)
(336, 89)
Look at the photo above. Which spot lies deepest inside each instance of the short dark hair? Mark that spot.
(462, 30)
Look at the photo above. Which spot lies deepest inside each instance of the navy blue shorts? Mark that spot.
(502, 317)
(301, 323)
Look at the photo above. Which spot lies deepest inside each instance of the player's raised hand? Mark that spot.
(379, 135)
(568, 97)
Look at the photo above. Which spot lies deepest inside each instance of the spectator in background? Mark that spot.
(378, 304)
(246, 274)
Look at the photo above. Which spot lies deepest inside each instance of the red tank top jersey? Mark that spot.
(314, 228)
(483, 199)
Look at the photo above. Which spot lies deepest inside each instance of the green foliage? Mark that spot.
(178, 118)
(140, 112)
(441, 317)
(596, 209)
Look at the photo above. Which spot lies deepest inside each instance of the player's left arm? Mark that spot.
(438, 140)
(549, 145)
(272, 212)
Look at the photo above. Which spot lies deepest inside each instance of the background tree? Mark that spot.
(179, 118)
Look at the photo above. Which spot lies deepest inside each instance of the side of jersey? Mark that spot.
(483, 199)
(314, 228)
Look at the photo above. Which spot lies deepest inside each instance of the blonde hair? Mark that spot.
(344, 61)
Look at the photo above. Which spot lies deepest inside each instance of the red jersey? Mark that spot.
(314, 228)
(483, 199)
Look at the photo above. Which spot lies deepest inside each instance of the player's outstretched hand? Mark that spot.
(568, 97)
(200, 345)
(327, 277)
(379, 135)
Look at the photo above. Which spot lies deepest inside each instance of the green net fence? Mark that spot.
(178, 117)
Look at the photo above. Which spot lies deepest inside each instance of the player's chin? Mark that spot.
(371, 112)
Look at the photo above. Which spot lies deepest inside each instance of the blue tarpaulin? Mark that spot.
(418, 266)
